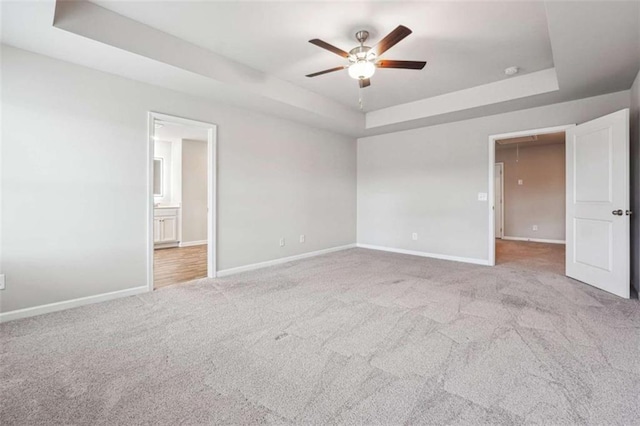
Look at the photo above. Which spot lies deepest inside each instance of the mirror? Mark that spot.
(157, 177)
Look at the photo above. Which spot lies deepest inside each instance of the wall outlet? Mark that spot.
(535, 227)
(520, 182)
(2, 281)
(281, 242)
(482, 196)
(302, 238)
(414, 236)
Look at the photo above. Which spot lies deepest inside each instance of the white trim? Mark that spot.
(425, 254)
(211, 189)
(68, 304)
(193, 243)
(501, 164)
(491, 240)
(171, 244)
(253, 266)
(534, 240)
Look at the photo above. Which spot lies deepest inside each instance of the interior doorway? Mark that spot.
(528, 198)
(182, 193)
(597, 214)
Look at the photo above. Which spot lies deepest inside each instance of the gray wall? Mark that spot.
(74, 181)
(194, 190)
(541, 198)
(635, 183)
(427, 180)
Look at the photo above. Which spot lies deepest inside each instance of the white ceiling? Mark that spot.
(254, 55)
(464, 44)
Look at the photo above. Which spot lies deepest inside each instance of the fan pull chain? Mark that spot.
(360, 103)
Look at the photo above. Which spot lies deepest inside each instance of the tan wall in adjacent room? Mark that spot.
(540, 200)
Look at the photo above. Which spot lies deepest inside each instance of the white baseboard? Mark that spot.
(67, 304)
(193, 243)
(534, 240)
(231, 271)
(160, 246)
(424, 254)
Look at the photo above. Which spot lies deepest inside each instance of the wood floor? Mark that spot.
(179, 265)
(531, 255)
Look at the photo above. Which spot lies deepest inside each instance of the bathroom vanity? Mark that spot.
(166, 226)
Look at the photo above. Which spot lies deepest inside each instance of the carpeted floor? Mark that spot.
(353, 337)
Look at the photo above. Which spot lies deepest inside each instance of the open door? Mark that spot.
(598, 203)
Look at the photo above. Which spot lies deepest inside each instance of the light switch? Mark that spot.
(482, 196)
(519, 181)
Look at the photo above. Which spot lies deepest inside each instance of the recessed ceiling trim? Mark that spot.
(28, 26)
(99, 24)
(535, 83)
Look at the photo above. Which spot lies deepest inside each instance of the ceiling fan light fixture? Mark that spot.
(363, 60)
(361, 70)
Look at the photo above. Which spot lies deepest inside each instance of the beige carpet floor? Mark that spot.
(353, 337)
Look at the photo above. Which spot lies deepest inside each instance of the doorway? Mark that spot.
(182, 195)
(529, 200)
(597, 218)
(527, 208)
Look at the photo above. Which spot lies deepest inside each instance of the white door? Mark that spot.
(169, 228)
(497, 177)
(598, 203)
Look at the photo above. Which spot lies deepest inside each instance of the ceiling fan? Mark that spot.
(363, 60)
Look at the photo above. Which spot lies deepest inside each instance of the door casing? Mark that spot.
(491, 180)
(212, 239)
(501, 233)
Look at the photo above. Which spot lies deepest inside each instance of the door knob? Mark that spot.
(617, 212)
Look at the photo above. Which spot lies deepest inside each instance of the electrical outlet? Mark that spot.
(482, 196)
(535, 227)
(414, 236)
(281, 242)
(302, 238)
(2, 281)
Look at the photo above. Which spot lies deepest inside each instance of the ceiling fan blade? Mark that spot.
(315, 74)
(409, 65)
(393, 38)
(365, 82)
(329, 47)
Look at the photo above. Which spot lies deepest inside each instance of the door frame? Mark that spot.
(491, 172)
(501, 164)
(212, 168)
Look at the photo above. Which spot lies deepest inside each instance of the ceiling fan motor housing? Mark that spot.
(361, 53)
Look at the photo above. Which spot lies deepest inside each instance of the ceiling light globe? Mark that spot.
(361, 70)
